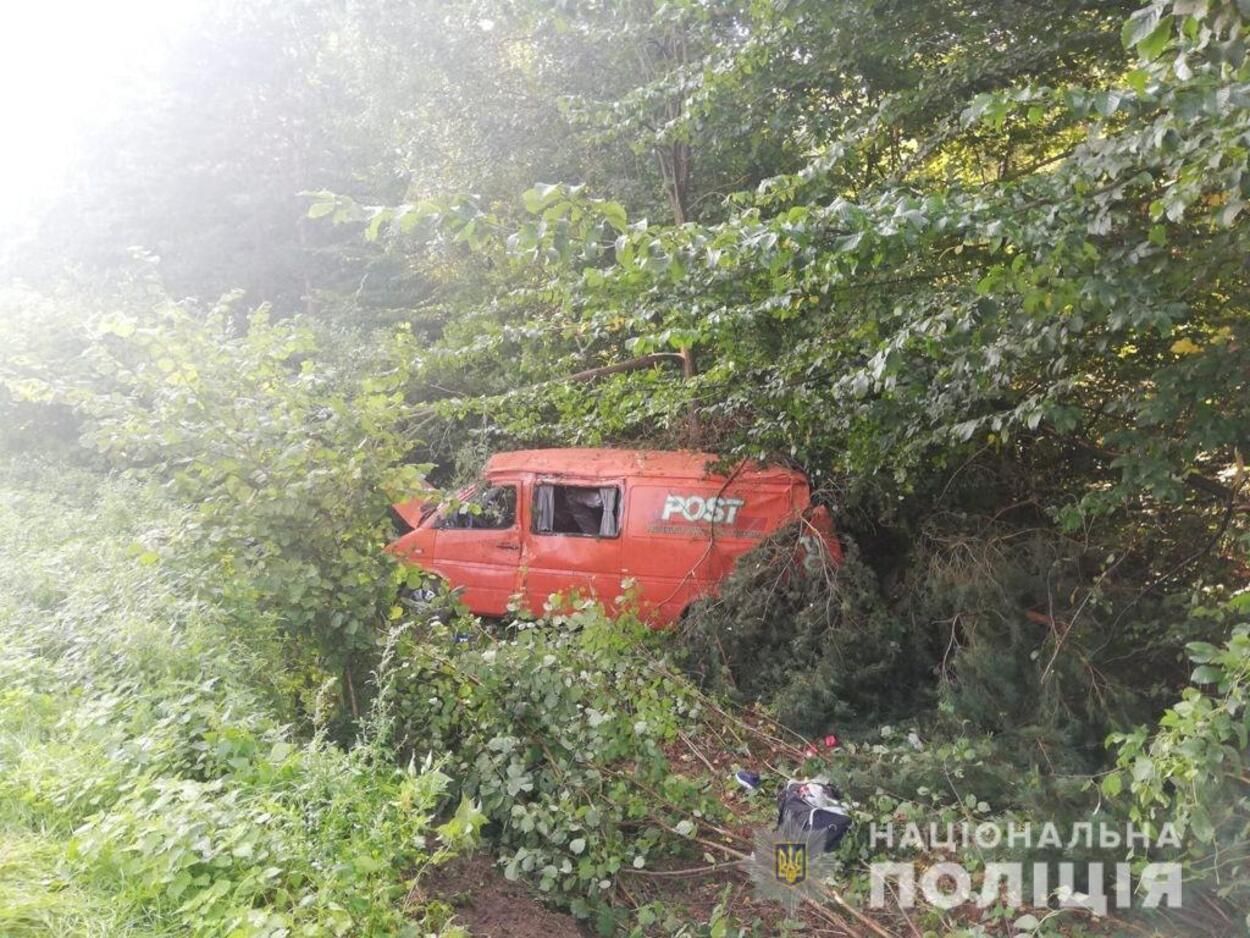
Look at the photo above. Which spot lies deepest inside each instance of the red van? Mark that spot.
(593, 520)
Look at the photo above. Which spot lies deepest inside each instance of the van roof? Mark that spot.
(633, 463)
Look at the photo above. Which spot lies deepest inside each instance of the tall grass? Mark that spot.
(148, 785)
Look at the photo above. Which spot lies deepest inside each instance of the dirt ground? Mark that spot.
(491, 906)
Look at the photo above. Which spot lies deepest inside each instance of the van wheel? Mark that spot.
(431, 599)
(426, 592)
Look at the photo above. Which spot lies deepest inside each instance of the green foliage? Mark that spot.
(143, 778)
(1191, 770)
(1007, 662)
(933, 283)
(817, 643)
(658, 918)
(979, 268)
(559, 730)
(963, 630)
(288, 453)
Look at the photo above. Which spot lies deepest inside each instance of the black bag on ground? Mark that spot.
(813, 806)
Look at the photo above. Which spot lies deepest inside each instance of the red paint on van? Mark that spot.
(591, 519)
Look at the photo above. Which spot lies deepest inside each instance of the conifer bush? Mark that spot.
(816, 642)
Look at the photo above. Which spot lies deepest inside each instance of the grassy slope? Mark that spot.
(146, 788)
(59, 596)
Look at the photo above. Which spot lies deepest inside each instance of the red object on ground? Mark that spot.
(594, 520)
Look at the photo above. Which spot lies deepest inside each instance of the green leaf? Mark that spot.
(375, 225)
(1025, 923)
(1200, 824)
(1202, 652)
(1139, 25)
(614, 214)
(848, 243)
(1112, 784)
(1207, 674)
(539, 197)
(1228, 214)
(1106, 102)
(1153, 45)
(465, 824)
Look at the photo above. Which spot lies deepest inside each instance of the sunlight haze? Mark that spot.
(63, 66)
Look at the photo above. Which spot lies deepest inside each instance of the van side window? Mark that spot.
(587, 511)
(496, 511)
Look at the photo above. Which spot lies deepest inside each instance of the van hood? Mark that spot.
(418, 509)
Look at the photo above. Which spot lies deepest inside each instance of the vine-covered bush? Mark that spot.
(560, 730)
(286, 447)
(1192, 769)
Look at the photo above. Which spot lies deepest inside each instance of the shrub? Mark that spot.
(140, 764)
(286, 449)
(1191, 771)
(559, 730)
(818, 646)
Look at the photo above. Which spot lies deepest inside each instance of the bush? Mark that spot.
(141, 765)
(559, 730)
(287, 451)
(1191, 771)
(819, 646)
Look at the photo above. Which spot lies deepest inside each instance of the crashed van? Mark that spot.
(661, 525)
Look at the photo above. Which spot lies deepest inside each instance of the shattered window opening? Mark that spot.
(498, 511)
(577, 510)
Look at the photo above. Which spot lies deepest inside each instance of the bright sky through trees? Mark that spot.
(62, 66)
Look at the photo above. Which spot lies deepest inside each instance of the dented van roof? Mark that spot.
(595, 462)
